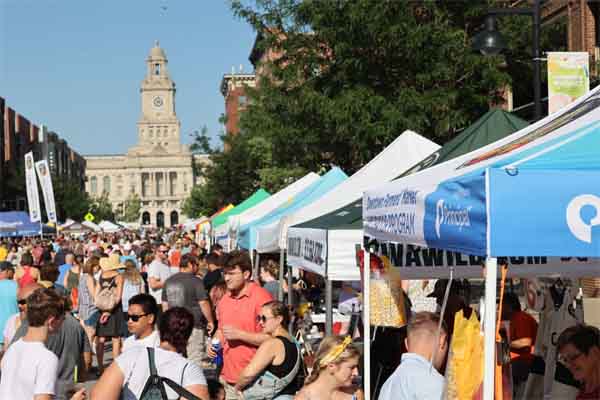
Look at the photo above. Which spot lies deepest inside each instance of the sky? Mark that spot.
(76, 65)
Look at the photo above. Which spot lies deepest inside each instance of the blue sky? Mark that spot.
(76, 65)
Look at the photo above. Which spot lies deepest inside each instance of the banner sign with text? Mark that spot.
(43, 173)
(33, 198)
(307, 249)
(568, 78)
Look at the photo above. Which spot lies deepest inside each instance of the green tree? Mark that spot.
(71, 201)
(101, 208)
(132, 208)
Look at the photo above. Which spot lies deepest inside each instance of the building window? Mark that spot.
(160, 181)
(106, 184)
(145, 184)
(93, 185)
(172, 183)
(119, 191)
(242, 101)
(156, 69)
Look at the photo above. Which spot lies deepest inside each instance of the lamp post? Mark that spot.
(490, 42)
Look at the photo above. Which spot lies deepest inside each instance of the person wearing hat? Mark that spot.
(111, 323)
(456, 301)
(8, 296)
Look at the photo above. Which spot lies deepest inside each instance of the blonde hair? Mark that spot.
(329, 345)
(131, 273)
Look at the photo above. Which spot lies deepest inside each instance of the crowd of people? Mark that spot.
(163, 305)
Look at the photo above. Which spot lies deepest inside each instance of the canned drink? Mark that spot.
(218, 349)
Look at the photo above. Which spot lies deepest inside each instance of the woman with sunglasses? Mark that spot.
(334, 371)
(127, 375)
(579, 350)
(271, 374)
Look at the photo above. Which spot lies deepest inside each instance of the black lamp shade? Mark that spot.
(489, 41)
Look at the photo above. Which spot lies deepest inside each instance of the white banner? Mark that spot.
(33, 198)
(43, 173)
(307, 249)
(414, 262)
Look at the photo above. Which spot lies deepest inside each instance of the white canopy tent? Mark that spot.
(110, 227)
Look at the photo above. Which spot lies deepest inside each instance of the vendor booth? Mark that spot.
(74, 228)
(533, 193)
(17, 223)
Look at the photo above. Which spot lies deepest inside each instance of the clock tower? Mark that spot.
(158, 126)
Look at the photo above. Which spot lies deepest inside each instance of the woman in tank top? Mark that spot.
(26, 273)
(272, 372)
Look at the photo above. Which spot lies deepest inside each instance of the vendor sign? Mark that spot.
(568, 78)
(307, 249)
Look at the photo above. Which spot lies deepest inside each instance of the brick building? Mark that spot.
(20, 136)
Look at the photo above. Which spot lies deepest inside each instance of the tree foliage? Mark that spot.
(132, 208)
(71, 201)
(101, 208)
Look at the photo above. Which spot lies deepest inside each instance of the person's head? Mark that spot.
(269, 271)
(27, 260)
(422, 337)
(273, 315)
(213, 261)
(217, 291)
(49, 272)
(439, 290)
(69, 258)
(510, 305)
(24, 293)
(141, 314)
(5, 266)
(218, 249)
(237, 271)
(175, 327)
(161, 253)
(131, 273)
(45, 308)
(78, 260)
(189, 264)
(579, 350)
(337, 359)
(216, 391)
(90, 266)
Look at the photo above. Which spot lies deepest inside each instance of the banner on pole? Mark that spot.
(33, 198)
(568, 78)
(43, 173)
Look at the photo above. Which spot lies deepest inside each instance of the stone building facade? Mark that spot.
(159, 169)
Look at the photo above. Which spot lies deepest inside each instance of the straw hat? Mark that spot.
(111, 263)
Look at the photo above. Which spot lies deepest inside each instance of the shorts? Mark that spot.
(93, 319)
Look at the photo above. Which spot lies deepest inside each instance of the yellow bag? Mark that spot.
(464, 370)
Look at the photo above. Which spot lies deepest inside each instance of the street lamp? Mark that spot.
(490, 42)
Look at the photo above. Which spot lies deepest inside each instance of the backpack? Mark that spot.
(154, 389)
(107, 299)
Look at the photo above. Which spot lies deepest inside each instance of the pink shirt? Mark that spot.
(240, 312)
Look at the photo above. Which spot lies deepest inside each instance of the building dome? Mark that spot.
(156, 52)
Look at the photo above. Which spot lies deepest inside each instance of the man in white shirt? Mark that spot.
(29, 369)
(141, 321)
(158, 272)
(416, 378)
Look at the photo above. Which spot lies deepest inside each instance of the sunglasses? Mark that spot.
(568, 358)
(262, 318)
(22, 302)
(135, 318)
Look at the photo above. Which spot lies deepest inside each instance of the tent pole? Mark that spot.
(290, 297)
(256, 267)
(489, 363)
(367, 322)
(328, 307)
(281, 275)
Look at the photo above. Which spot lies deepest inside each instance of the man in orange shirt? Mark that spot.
(237, 312)
(523, 331)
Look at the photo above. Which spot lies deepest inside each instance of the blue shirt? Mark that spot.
(414, 379)
(63, 269)
(8, 303)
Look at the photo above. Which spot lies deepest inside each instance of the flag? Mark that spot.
(33, 198)
(43, 173)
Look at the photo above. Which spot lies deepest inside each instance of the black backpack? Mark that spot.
(154, 389)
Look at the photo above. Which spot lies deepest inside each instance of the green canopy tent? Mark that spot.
(340, 232)
(220, 231)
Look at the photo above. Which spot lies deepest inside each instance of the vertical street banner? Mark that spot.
(568, 78)
(33, 198)
(43, 173)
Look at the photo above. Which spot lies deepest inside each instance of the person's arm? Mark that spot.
(199, 390)
(91, 285)
(165, 305)
(119, 281)
(64, 282)
(43, 397)
(521, 343)
(155, 283)
(207, 312)
(262, 359)
(252, 338)
(110, 384)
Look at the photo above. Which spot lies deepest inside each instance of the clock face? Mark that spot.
(157, 101)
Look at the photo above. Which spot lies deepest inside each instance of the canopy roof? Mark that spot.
(17, 223)
(251, 201)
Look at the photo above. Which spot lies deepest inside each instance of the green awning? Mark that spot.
(491, 127)
(251, 201)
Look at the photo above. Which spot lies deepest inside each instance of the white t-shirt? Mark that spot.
(152, 340)
(136, 370)
(28, 369)
(10, 328)
(161, 271)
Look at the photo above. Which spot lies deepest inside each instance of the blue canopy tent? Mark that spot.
(17, 223)
(534, 193)
(248, 233)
